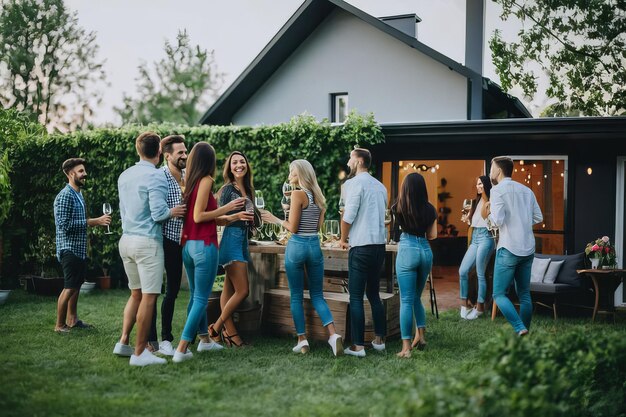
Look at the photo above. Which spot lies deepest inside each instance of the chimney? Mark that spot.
(474, 39)
(406, 23)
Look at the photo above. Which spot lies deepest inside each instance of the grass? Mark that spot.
(46, 374)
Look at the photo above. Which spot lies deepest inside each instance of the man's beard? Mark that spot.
(494, 181)
(352, 172)
(181, 163)
(80, 182)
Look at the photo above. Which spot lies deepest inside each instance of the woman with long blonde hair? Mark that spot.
(306, 215)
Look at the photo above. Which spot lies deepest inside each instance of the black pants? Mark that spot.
(173, 254)
(364, 266)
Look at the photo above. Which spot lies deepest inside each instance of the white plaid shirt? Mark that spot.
(172, 228)
(71, 222)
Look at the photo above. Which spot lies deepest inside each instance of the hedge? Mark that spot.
(35, 176)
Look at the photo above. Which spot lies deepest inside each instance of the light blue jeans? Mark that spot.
(478, 253)
(509, 268)
(413, 264)
(305, 252)
(200, 263)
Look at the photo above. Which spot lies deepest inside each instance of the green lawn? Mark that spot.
(46, 374)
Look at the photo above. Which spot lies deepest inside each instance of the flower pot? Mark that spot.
(4, 296)
(594, 263)
(104, 283)
(87, 287)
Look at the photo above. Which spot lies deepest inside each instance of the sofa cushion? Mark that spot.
(568, 274)
(552, 271)
(543, 288)
(539, 268)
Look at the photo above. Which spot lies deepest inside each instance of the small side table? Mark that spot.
(605, 282)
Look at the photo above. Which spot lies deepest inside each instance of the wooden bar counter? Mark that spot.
(270, 290)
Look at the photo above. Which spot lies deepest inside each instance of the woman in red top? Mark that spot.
(199, 242)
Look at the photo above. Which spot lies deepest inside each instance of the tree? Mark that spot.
(580, 45)
(179, 89)
(48, 63)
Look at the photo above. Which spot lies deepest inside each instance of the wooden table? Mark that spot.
(605, 282)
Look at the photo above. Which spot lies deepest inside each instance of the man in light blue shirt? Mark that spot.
(364, 221)
(514, 210)
(143, 207)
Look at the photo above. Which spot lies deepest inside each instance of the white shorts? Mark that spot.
(143, 263)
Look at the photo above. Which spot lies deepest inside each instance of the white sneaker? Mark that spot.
(357, 353)
(336, 343)
(474, 314)
(182, 357)
(464, 312)
(210, 345)
(146, 358)
(301, 347)
(378, 347)
(165, 348)
(123, 350)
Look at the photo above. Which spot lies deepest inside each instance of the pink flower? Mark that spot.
(595, 248)
(605, 239)
(606, 250)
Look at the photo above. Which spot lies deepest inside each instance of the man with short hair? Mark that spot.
(143, 207)
(71, 240)
(364, 221)
(175, 160)
(514, 210)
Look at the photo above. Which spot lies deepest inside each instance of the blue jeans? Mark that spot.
(413, 264)
(364, 265)
(305, 252)
(478, 252)
(200, 263)
(510, 267)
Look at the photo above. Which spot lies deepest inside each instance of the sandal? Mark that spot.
(214, 334)
(229, 341)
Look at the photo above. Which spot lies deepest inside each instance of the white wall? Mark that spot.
(381, 75)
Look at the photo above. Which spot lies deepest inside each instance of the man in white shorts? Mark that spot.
(143, 207)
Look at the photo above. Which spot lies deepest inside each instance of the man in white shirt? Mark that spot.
(514, 210)
(364, 221)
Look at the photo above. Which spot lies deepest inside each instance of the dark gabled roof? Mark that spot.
(500, 105)
(302, 24)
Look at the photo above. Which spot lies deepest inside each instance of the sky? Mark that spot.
(130, 32)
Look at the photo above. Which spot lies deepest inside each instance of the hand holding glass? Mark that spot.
(106, 209)
(259, 200)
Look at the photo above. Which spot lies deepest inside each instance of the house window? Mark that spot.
(339, 107)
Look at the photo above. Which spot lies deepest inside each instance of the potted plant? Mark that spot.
(42, 252)
(601, 253)
(103, 252)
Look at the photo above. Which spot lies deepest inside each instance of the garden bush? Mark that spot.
(569, 373)
(35, 159)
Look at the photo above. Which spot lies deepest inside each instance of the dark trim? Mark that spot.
(333, 108)
(401, 16)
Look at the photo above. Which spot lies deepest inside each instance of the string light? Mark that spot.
(420, 167)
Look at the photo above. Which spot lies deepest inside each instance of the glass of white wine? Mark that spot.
(334, 230)
(259, 201)
(106, 209)
(467, 207)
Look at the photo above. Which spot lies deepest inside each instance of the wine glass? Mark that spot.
(342, 205)
(287, 189)
(326, 231)
(249, 209)
(387, 217)
(467, 207)
(285, 202)
(334, 229)
(259, 200)
(106, 209)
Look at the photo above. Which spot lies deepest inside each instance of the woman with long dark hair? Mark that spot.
(306, 215)
(233, 254)
(199, 242)
(478, 253)
(418, 220)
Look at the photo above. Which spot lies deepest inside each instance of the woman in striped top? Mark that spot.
(306, 215)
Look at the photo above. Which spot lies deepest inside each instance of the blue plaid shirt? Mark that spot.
(172, 228)
(71, 222)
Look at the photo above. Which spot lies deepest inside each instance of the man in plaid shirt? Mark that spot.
(175, 156)
(71, 241)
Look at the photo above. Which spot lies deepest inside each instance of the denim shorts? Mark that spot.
(234, 246)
